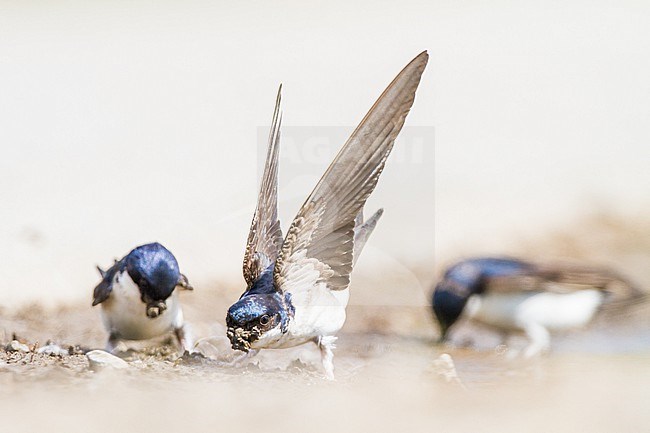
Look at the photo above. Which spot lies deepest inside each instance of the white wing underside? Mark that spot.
(308, 284)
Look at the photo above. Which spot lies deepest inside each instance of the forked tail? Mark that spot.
(362, 231)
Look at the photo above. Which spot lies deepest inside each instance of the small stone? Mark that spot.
(99, 359)
(76, 350)
(17, 346)
(53, 350)
(445, 368)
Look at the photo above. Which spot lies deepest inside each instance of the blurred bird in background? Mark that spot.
(513, 295)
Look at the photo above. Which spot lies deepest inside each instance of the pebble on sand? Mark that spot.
(17, 346)
(99, 359)
(445, 368)
(53, 350)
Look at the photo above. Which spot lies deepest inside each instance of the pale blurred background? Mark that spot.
(123, 123)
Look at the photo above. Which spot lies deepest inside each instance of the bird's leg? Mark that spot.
(503, 337)
(503, 346)
(112, 343)
(185, 338)
(540, 339)
(327, 346)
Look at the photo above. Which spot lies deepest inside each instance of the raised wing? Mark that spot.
(265, 236)
(103, 289)
(320, 242)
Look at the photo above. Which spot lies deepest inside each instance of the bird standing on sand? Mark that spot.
(517, 296)
(297, 287)
(138, 299)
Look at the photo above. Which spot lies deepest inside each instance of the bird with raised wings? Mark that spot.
(513, 295)
(297, 286)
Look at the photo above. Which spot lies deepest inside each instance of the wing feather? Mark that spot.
(103, 290)
(265, 235)
(567, 278)
(322, 234)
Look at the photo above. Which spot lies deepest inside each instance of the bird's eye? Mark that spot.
(265, 319)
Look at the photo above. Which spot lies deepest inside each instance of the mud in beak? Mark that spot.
(240, 339)
(155, 309)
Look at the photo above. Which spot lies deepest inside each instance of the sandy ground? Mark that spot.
(597, 379)
(385, 381)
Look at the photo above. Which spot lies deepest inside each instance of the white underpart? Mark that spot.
(124, 313)
(319, 312)
(535, 313)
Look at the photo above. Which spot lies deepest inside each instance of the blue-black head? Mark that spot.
(450, 296)
(466, 278)
(256, 314)
(155, 271)
(448, 304)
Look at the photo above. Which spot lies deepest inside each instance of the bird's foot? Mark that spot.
(185, 339)
(239, 360)
(115, 345)
(326, 344)
(540, 340)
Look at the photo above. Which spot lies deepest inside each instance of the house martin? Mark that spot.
(137, 297)
(297, 286)
(514, 295)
